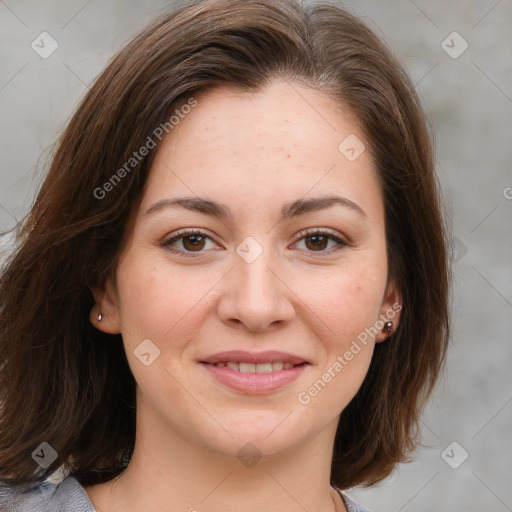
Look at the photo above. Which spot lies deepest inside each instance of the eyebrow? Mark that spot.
(221, 211)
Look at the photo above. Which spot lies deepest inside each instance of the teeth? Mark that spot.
(277, 367)
(256, 368)
(264, 368)
(247, 368)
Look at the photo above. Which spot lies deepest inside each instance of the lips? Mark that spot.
(254, 372)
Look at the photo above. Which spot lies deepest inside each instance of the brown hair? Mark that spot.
(63, 381)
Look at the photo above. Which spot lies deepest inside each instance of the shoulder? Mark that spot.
(65, 496)
(351, 505)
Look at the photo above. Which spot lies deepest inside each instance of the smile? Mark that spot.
(255, 378)
(256, 368)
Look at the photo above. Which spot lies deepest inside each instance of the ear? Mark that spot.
(106, 304)
(389, 312)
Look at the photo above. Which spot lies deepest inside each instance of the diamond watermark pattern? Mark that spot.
(249, 455)
(146, 352)
(454, 45)
(249, 249)
(454, 455)
(44, 45)
(458, 249)
(44, 455)
(352, 147)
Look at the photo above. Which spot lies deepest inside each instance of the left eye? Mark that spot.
(318, 241)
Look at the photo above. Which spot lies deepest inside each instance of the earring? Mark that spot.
(388, 327)
(100, 316)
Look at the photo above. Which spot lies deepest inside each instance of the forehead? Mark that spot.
(281, 115)
(285, 137)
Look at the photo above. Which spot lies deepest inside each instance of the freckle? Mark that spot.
(287, 156)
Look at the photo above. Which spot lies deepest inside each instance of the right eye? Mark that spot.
(188, 242)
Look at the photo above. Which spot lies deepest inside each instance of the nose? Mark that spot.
(256, 296)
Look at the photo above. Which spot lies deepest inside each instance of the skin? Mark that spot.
(253, 152)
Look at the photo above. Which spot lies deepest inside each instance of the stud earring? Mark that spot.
(100, 317)
(388, 327)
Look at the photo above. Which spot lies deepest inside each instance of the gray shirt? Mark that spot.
(69, 496)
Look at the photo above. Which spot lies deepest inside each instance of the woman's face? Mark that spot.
(277, 245)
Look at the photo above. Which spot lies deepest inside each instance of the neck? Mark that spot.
(170, 473)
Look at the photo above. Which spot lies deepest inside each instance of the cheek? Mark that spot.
(159, 299)
(143, 303)
(347, 306)
(347, 301)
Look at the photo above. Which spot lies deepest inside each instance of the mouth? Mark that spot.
(245, 367)
(254, 373)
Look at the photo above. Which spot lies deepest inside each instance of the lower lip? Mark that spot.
(254, 383)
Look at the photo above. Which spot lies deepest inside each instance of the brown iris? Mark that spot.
(318, 242)
(193, 242)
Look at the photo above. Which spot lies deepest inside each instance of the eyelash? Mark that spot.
(300, 236)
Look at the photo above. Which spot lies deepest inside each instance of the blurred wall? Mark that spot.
(459, 55)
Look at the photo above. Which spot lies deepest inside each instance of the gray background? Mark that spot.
(469, 100)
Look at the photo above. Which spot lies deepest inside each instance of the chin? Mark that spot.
(263, 438)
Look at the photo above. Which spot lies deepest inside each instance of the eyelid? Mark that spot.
(321, 231)
(189, 231)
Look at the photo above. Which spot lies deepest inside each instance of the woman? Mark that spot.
(232, 289)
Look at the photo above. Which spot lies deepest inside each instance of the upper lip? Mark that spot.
(269, 356)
